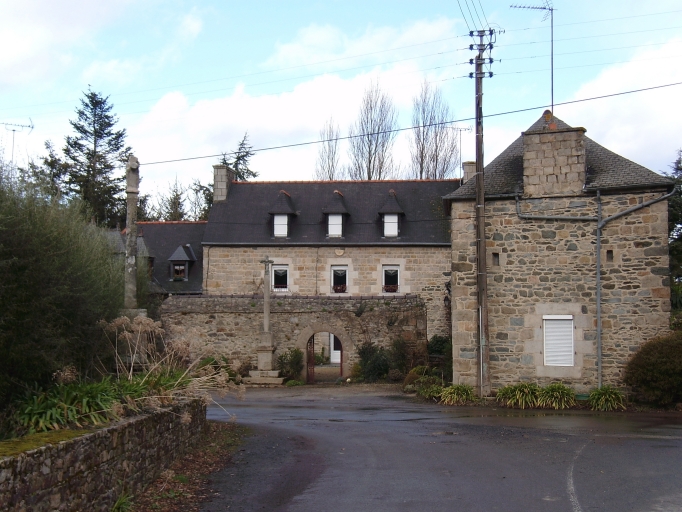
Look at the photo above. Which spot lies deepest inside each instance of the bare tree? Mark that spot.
(372, 137)
(327, 166)
(433, 142)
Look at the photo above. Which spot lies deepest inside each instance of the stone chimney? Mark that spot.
(468, 171)
(553, 161)
(223, 176)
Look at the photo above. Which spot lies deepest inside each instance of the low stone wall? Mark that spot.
(90, 472)
(231, 325)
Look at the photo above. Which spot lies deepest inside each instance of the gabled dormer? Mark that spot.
(180, 262)
(281, 212)
(391, 212)
(335, 212)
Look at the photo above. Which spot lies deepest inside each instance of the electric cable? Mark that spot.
(308, 143)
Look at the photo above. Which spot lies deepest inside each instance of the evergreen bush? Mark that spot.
(655, 371)
(290, 363)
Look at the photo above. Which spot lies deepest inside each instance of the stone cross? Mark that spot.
(266, 294)
(132, 184)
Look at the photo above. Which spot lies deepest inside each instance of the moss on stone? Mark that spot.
(19, 445)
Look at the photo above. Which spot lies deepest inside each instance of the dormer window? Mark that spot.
(390, 224)
(335, 225)
(281, 223)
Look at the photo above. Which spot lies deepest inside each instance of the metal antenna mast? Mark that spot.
(17, 127)
(459, 148)
(549, 8)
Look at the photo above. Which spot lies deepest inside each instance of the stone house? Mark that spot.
(382, 242)
(577, 260)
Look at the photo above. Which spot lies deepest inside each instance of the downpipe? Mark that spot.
(600, 226)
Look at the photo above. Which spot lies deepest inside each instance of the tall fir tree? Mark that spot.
(675, 234)
(93, 155)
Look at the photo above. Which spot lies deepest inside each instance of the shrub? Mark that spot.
(410, 379)
(607, 398)
(399, 355)
(556, 396)
(395, 375)
(59, 279)
(655, 371)
(420, 370)
(457, 394)
(290, 363)
(524, 395)
(429, 388)
(377, 367)
(438, 344)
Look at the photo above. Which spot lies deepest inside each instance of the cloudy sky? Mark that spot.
(188, 79)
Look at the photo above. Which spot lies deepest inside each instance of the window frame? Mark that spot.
(391, 290)
(334, 286)
(272, 278)
(279, 217)
(562, 359)
(335, 216)
(185, 271)
(393, 222)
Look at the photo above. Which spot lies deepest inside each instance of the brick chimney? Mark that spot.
(468, 171)
(223, 176)
(553, 161)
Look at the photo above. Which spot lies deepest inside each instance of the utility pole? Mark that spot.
(481, 264)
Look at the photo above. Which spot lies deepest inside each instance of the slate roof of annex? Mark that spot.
(605, 170)
(163, 240)
(243, 218)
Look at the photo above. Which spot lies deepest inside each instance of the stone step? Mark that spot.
(264, 373)
(278, 381)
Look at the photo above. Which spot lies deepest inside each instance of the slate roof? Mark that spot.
(391, 204)
(163, 241)
(605, 170)
(283, 204)
(243, 218)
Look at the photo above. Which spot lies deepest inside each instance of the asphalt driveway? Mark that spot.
(371, 448)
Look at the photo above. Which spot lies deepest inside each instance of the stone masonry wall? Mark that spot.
(554, 162)
(90, 472)
(424, 271)
(547, 267)
(231, 325)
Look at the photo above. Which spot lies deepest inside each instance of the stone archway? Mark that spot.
(348, 347)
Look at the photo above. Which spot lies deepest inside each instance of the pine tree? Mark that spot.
(172, 205)
(675, 234)
(93, 155)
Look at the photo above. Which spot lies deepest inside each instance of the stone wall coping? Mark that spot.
(558, 130)
(409, 296)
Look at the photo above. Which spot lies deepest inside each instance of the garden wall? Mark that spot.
(232, 325)
(90, 472)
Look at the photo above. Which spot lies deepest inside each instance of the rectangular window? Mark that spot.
(281, 225)
(391, 279)
(339, 279)
(391, 224)
(558, 340)
(496, 259)
(335, 225)
(179, 271)
(280, 278)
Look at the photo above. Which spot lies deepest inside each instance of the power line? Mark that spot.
(597, 21)
(480, 21)
(463, 16)
(592, 51)
(299, 144)
(483, 12)
(593, 36)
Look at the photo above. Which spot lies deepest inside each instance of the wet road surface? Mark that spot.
(371, 448)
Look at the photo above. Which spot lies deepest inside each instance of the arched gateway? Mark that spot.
(308, 332)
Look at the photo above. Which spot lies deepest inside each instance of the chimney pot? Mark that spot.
(468, 171)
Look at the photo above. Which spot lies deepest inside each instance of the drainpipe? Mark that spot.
(600, 225)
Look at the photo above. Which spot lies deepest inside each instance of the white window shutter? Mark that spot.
(281, 225)
(558, 340)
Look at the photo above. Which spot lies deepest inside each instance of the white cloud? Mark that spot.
(190, 26)
(643, 126)
(176, 128)
(37, 37)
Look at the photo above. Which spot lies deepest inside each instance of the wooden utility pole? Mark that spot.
(481, 269)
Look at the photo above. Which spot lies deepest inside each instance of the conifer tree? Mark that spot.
(93, 156)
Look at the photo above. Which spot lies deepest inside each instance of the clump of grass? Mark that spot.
(524, 395)
(457, 394)
(293, 383)
(556, 396)
(606, 398)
